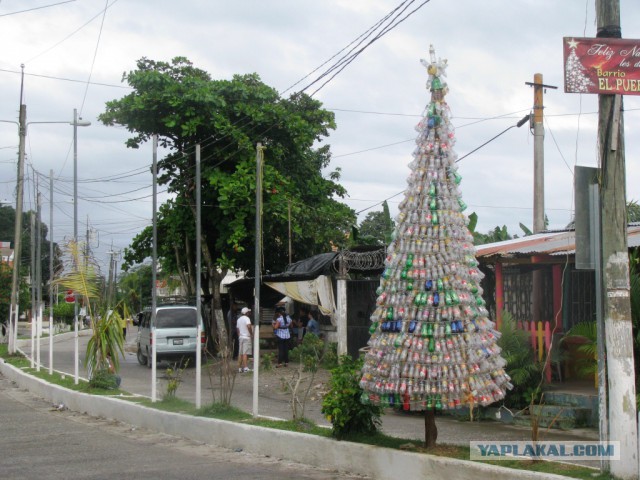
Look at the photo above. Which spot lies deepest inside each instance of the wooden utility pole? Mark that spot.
(623, 425)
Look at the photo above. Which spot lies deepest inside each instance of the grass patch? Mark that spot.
(301, 426)
(172, 404)
(224, 412)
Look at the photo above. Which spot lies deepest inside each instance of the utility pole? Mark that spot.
(258, 276)
(538, 184)
(623, 425)
(110, 278)
(17, 243)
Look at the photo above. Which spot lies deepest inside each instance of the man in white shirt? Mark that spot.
(245, 332)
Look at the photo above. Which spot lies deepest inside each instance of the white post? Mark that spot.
(33, 289)
(258, 277)
(38, 275)
(198, 281)
(154, 262)
(341, 310)
(50, 272)
(76, 347)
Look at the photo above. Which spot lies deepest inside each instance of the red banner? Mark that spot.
(601, 65)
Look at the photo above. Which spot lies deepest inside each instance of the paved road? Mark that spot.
(40, 442)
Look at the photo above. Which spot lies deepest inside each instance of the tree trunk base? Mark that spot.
(430, 428)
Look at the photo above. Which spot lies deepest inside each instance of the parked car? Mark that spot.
(176, 334)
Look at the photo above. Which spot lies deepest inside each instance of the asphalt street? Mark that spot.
(39, 441)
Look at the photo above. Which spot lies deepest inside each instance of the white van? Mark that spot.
(176, 334)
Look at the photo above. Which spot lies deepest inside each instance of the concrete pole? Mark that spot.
(538, 188)
(17, 242)
(258, 276)
(623, 425)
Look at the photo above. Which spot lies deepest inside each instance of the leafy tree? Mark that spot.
(6, 281)
(7, 229)
(185, 107)
(377, 227)
(498, 234)
(135, 287)
(633, 211)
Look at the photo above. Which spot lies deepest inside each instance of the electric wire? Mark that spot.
(345, 62)
(71, 34)
(95, 55)
(36, 8)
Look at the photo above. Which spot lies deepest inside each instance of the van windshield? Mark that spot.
(176, 318)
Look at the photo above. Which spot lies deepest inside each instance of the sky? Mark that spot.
(75, 53)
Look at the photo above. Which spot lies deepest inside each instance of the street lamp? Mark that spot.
(76, 123)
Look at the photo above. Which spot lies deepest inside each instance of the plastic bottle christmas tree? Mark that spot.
(432, 343)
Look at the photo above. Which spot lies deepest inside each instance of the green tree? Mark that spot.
(135, 287)
(633, 211)
(7, 229)
(376, 228)
(185, 107)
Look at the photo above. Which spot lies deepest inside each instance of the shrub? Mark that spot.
(522, 366)
(105, 380)
(343, 404)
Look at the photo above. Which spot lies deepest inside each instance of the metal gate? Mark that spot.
(361, 302)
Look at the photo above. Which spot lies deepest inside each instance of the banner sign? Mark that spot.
(601, 65)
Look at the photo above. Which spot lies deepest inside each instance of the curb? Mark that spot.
(376, 462)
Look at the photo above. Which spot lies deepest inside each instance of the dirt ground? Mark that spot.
(275, 386)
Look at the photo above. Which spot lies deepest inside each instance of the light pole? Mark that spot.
(22, 132)
(76, 123)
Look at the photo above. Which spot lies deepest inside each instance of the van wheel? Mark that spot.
(142, 360)
(149, 360)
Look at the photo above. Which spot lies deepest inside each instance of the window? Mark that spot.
(176, 318)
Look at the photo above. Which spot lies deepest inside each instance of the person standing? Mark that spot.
(282, 332)
(244, 330)
(312, 325)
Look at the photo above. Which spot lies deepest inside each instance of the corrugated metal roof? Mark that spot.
(547, 243)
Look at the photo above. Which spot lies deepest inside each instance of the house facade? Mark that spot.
(568, 294)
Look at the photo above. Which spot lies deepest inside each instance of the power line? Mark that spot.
(36, 8)
(52, 77)
(71, 34)
(95, 54)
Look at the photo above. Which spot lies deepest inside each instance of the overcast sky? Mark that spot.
(493, 47)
